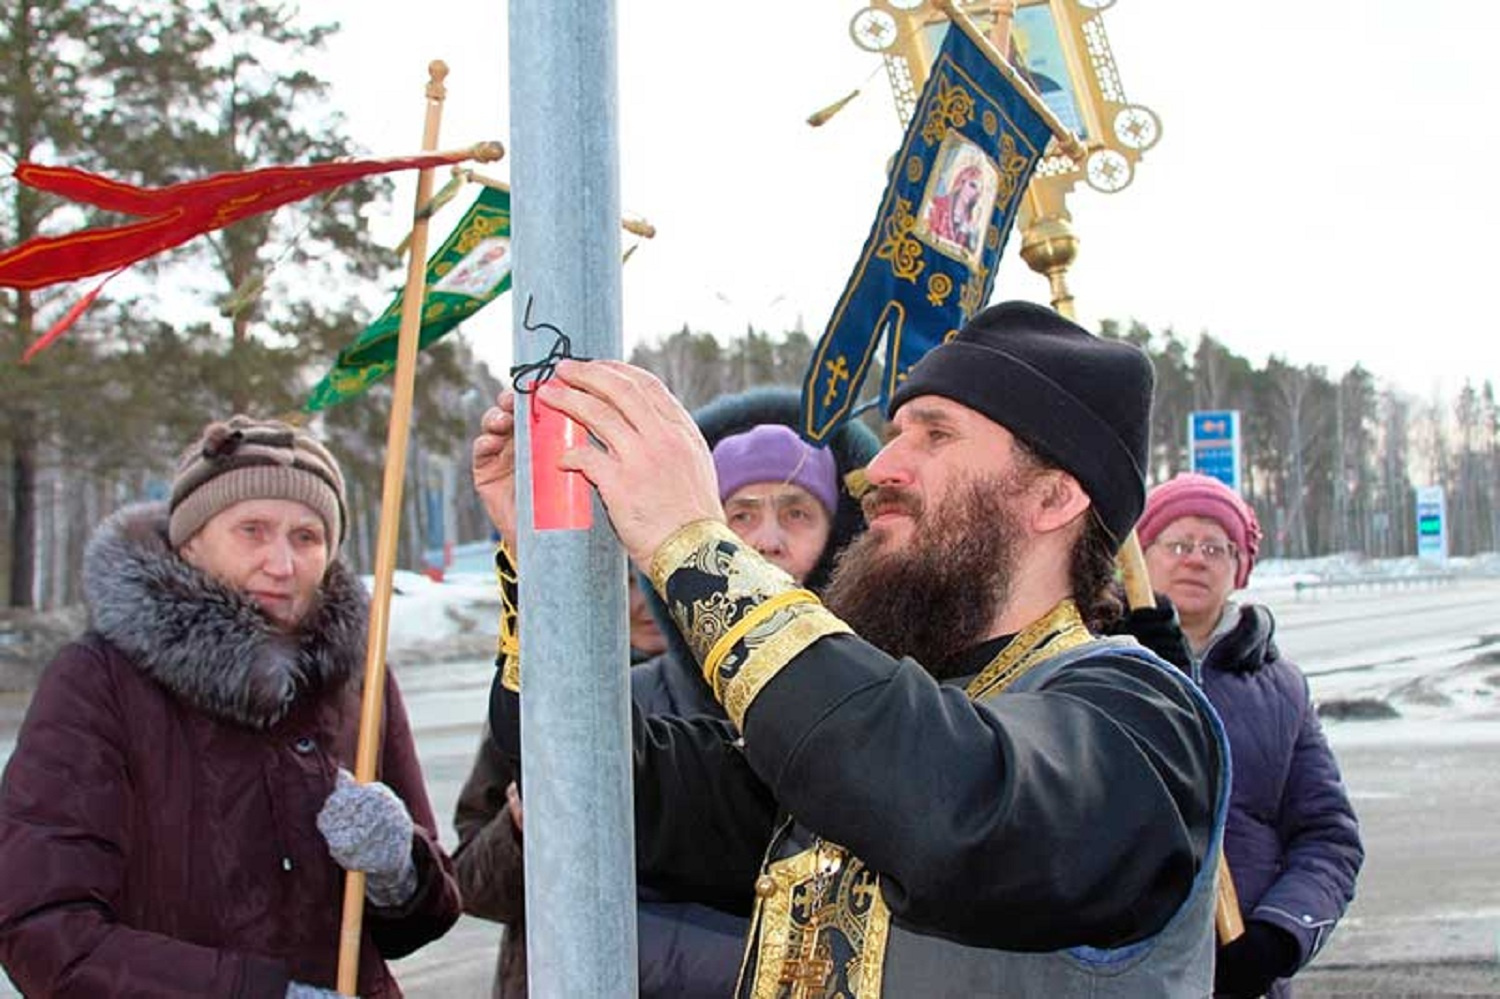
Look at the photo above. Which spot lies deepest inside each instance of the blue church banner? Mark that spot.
(929, 262)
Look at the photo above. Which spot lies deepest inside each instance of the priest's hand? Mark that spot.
(653, 471)
(493, 462)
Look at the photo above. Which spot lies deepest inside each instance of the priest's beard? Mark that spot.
(938, 594)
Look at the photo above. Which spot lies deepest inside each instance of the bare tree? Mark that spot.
(1300, 430)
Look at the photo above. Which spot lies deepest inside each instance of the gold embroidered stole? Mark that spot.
(821, 919)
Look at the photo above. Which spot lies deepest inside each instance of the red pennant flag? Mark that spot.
(68, 319)
(170, 215)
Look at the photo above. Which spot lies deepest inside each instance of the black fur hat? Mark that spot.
(1081, 401)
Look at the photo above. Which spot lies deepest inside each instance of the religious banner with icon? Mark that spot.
(470, 270)
(929, 262)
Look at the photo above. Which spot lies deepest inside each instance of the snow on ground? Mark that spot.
(432, 621)
(1333, 613)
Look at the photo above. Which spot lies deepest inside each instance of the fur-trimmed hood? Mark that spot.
(1247, 647)
(853, 445)
(205, 641)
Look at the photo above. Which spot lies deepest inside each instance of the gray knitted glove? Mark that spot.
(296, 990)
(368, 829)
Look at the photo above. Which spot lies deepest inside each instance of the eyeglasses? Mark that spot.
(1212, 551)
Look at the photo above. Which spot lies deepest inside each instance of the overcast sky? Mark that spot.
(1320, 191)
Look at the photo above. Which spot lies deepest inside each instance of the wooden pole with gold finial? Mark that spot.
(372, 706)
(1048, 246)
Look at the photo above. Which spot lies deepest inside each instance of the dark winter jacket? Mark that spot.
(1292, 842)
(488, 863)
(157, 833)
(685, 948)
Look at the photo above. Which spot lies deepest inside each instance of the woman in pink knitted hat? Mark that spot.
(1199, 578)
(1292, 841)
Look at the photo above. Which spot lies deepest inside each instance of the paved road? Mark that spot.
(1427, 918)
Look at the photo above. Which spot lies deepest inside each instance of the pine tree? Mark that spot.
(155, 92)
(50, 109)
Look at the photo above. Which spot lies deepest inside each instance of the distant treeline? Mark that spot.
(1330, 463)
(154, 92)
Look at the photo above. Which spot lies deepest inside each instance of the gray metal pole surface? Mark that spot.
(575, 714)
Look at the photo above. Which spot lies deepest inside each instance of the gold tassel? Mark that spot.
(821, 116)
(857, 481)
(639, 227)
(636, 227)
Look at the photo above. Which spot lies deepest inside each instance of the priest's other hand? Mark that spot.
(493, 462)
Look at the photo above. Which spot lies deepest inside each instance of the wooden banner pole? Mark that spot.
(372, 703)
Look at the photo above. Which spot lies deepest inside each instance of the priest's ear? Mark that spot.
(1061, 500)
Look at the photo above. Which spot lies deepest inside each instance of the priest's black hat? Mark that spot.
(1081, 401)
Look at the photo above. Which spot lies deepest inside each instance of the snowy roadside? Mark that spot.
(1392, 648)
(434, 622)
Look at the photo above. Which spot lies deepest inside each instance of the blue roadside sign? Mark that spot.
(1214, 445)
(1432, 524)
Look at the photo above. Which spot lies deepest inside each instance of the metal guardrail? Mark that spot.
(1315, 586)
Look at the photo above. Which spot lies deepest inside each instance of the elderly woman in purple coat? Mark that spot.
(1292, 841)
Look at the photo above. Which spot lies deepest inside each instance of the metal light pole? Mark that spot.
(575, 713)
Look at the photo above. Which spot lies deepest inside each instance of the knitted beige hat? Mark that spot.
(244, 458)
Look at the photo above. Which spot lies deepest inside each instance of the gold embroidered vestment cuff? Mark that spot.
(508, 654)
(743, 617)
